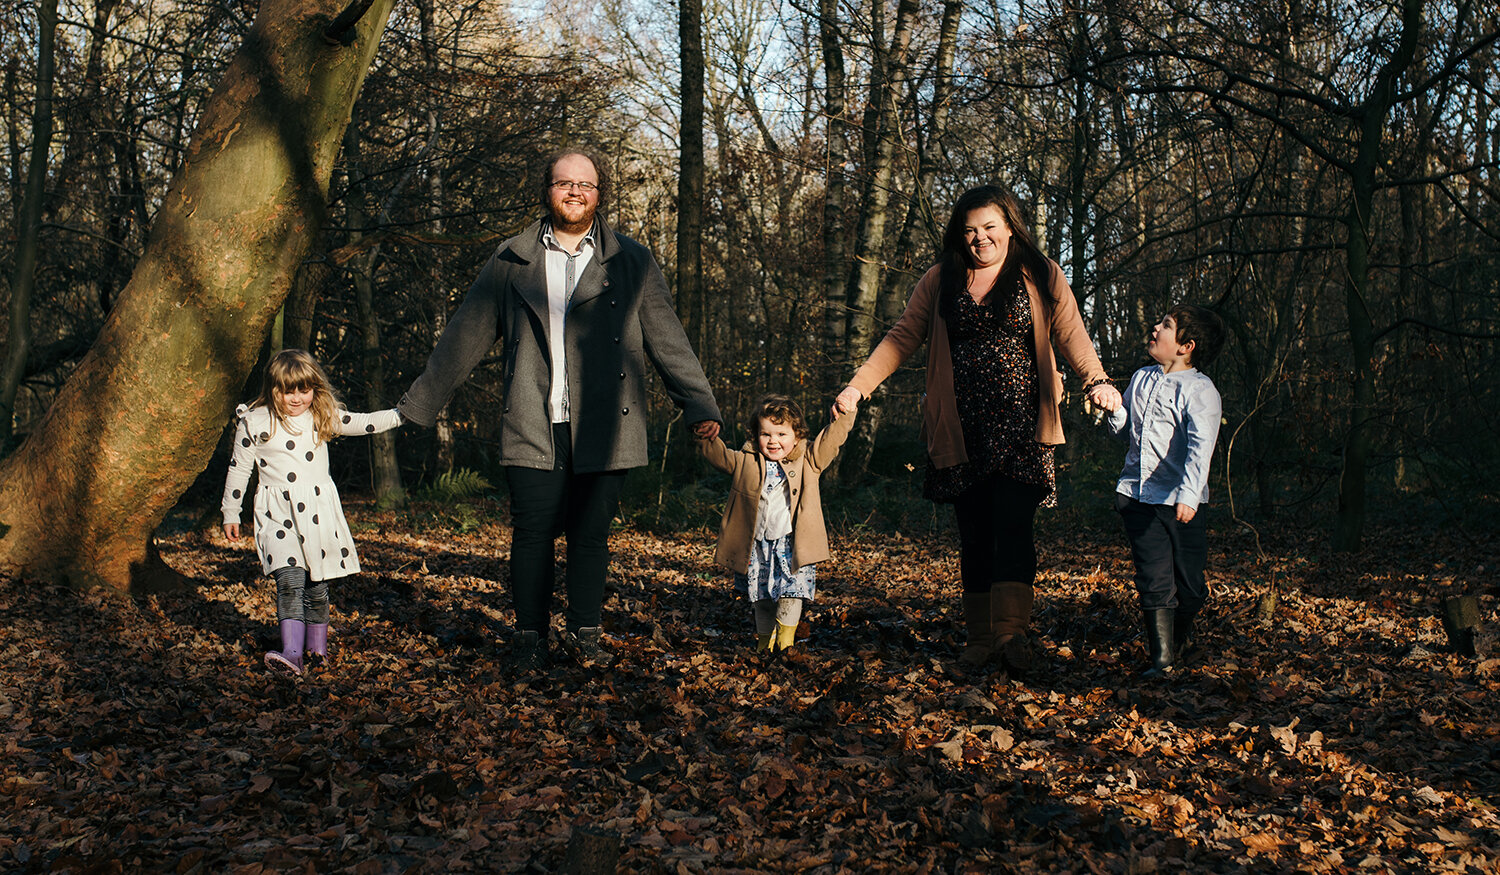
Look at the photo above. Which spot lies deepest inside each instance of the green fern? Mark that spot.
(456, 486)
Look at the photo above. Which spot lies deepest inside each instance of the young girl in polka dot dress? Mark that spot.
(300, 531)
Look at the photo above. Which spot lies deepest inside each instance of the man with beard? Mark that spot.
(580, 310)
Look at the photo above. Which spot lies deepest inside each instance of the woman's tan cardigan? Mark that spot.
(921, 321)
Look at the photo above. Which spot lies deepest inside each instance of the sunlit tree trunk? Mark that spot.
(865, 284)
(834, 268)
(138, 419)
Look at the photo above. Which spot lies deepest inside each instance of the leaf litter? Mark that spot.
(1339, 736)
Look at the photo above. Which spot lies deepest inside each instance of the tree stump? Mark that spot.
(1461, 622)
(592, 851)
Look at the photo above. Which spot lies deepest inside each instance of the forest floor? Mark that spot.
(1330, 734)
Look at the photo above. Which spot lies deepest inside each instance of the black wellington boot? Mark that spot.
(1183, 642)
(1159, 640)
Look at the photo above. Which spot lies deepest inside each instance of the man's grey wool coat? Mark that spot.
(620, 316)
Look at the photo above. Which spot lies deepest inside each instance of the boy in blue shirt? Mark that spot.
(1170, 416)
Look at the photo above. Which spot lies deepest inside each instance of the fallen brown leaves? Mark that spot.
(143, 735)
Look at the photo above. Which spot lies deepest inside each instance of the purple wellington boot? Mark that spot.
(288, 661)
(317, 644)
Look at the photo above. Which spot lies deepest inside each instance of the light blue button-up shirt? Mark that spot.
(1172, 421)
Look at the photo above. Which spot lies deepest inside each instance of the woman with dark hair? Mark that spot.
(991, 311)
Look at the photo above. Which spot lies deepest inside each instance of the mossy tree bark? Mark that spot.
(137, 421)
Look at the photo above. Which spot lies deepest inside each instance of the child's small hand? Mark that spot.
(1106, 396)
(847, 402)
(1185, 514)
(232, 530)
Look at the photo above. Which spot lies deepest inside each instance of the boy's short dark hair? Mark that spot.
(1203, 328)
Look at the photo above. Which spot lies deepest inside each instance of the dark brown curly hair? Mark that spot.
(781, 410)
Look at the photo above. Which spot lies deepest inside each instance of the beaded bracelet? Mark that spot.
(1102, 381)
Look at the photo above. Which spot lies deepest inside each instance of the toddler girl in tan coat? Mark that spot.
(772, 534)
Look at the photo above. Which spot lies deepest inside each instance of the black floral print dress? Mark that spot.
(995, 381)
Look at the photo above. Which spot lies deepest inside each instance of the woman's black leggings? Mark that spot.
(995, 537)
(296, 599)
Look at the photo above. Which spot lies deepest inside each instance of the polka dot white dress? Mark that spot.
(298, 519)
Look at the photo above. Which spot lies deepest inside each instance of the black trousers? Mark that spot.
(995, 537)
(1169, 556)
(545, 504)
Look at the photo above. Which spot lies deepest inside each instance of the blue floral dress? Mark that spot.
(770, 574)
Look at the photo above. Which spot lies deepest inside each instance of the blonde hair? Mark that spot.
(293, 370)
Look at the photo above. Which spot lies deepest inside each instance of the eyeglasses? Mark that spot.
(585, 187)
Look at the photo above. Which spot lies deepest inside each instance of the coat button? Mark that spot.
(794, 492)
(624, 411)
(612, 303)
(617, 340)
(606, 282)
(622, 375)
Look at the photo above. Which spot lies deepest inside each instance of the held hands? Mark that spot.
(847, 402)
(706, 430)
(1185, 514)
(232, 531)
(1106, 397)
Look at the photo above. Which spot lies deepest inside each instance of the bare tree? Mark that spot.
(23, 280)
(138, 419)
(690, 294)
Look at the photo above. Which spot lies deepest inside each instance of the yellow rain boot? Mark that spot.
(786, 636)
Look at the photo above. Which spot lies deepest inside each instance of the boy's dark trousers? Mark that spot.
(1169, 556)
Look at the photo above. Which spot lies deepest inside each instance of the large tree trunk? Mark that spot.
(138, 419)
(834, 269)
(691, 301)
(875, 214)
(1349, 528)
(437, 205)
(28, 226)
(920, 218)
(384, 469)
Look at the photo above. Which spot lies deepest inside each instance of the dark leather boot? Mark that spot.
(528, 652)
(583, 644)
(1010, 610)
(1159, 640)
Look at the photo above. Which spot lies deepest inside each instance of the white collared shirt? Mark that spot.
(563, 270)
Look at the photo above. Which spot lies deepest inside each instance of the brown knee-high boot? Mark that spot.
(1010, 612)
(979, 624)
